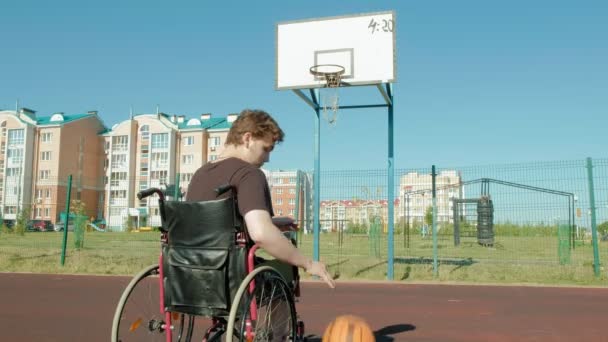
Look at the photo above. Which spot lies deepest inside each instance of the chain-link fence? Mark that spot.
(527, 222)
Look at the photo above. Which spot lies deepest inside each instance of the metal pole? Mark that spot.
(596, 256)
(435, 270)
(317, 177)
(67, 220)
(176, 191)
(296, 211)
(391, 190)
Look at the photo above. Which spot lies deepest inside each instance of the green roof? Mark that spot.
(211, 123)
(46, 120)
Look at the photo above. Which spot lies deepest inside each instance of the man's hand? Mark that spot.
(318, 269)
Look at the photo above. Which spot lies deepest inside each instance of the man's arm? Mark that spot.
(269, 237)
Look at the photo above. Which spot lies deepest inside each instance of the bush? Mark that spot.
(602, 228)
(21, 222)
(5, 230)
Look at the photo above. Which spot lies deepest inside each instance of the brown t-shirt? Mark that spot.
(249, 181)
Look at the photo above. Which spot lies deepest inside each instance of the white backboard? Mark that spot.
(364, 44)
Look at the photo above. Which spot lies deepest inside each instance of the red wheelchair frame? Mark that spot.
(218, 324)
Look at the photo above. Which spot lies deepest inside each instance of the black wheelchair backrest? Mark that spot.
(208, 223)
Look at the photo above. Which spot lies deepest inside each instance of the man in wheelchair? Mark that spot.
(250, 141)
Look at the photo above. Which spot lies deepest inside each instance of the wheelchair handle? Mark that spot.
(148, 192)
(223, 188)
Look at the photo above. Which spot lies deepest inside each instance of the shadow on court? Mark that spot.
(381, 335)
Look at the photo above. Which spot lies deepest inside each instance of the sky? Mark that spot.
(478, 82)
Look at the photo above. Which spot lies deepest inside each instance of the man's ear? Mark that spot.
(246, 139)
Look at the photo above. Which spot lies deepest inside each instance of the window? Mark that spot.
(15, 155)
(160, 159)
(188, 140)
(10, 209)
(292, 180)
(120, 142)
(45, 174)
(39, 193)
(291, 212)
(187, 158)
(13, 171)
(46, 137)
(16, 136)
(279, 212)
(47, 212)
(186, 177)
(118, 194)
(38, 212)
(119, 160)
(145, 132)
(160, 140)
(115, 211)
(143, 185)
(279, 191)
(292, 201)
(212, 157)
(292, 191)
(45, 155)
(159, 175)
(214, 141)
(116, 177)
(279, 201)
(48, 193)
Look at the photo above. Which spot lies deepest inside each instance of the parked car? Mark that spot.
(60, 225)
(40, 226)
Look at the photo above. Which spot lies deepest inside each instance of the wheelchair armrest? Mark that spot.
(285, 224)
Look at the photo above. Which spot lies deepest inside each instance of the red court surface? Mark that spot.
(80, 308)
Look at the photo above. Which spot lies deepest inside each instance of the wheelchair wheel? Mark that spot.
(266, 314)
(138, 316)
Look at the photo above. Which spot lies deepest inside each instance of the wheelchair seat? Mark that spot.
(203, 265)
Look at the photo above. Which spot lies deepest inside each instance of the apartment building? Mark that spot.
(109, 166)
(415, 195)
(37, 155)
(336, 214)
(155, 150)
(291, 193)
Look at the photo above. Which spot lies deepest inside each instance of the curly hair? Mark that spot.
(257, 122)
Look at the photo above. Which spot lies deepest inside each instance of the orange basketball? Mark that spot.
(348, 328)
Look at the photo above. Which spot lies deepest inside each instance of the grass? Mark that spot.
(530, 260)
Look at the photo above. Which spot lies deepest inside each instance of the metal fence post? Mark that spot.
(596, 255)
(67, 220)
(433, 175)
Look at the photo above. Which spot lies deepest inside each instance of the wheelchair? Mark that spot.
(207, 268)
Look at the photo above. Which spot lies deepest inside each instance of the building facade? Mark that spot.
(415, 194)
(109, 166)
(155, 150)
(37, 156)
(291, 193)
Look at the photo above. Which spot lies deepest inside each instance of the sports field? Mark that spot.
(512, 260)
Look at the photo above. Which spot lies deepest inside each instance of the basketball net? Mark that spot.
(330, 99)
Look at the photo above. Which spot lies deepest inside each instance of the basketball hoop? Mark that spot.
(332, 75)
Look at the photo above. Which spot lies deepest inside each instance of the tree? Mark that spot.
(428, 216)
(22, 218)
(78, 208)
(602, 228)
